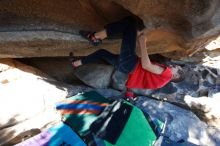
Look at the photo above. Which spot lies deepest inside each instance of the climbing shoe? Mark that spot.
(130, 96)
(90, 36)
(72, 59)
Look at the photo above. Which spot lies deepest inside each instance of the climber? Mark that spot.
(142, 73)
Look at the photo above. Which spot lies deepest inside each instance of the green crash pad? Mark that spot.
(137, 131)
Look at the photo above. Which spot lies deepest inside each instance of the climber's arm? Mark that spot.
(145, 60)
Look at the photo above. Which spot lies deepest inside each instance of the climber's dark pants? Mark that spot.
(127, 59)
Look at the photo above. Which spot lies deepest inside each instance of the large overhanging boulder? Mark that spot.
(50, 28)
(183, 16)
(197, 21)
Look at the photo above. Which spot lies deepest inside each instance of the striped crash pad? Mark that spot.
(81, 110)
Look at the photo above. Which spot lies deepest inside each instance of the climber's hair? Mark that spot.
(180, 73)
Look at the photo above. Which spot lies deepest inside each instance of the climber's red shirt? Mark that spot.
(143, 79)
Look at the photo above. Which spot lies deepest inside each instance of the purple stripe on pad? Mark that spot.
(41, 139)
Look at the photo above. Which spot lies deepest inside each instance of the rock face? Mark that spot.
(47, 43)
(181, 15)
(73, 13)
(197, 21)
(181, 124)
(177, 28)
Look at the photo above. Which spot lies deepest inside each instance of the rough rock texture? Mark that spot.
(181, 124)
(196, 20)
(180, 28)
(73, 13)
(183, 16)
(47, 43)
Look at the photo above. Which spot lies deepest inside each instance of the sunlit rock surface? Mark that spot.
(28, 97)
(181, 123)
